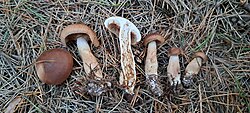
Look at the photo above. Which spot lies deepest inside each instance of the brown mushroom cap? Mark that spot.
(201, 55)
(74, 31)
(153, 37)
(174, 51)
(54, 66)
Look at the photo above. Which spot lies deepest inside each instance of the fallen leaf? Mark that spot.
(12, 105)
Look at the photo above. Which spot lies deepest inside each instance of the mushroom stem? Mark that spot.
(192, 68)
(128, 34)
(90, 63)
(173, 70)
(128, 76)
(151, 67)
(151, 63)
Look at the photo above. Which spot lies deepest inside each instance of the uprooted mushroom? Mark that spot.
(151, 63)
(173, 69)
(82, 33)
(128, 34)
(193, 68)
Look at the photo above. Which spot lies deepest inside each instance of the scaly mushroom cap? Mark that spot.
(72, 32)
(174, 51)
(114, 24)
(153, 37)
(54, 66)
(201, 55)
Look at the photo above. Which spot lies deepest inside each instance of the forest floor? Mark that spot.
(219, 28)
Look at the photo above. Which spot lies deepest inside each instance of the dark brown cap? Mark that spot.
(54, 66)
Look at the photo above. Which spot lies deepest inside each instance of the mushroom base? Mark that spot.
(154, 86)
(91, 86)
(187, 80)
(95, 89)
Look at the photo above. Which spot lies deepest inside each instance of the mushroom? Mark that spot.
(173, 68)
(54, 66)
(193, 68)
(151, 63)
(82, 34)
(128, 34)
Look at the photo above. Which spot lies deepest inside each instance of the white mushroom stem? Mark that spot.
(173, 70)
(128, 76)
(192, 68)
(125, 29)
(151, 63)
(151, 67)
(90, 63)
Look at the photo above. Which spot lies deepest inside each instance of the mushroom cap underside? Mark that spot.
(201, 55)
(153, 37)
(54, 66)
(114, 24)
(74, 31)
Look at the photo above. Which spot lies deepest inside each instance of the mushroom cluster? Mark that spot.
(55, 65)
